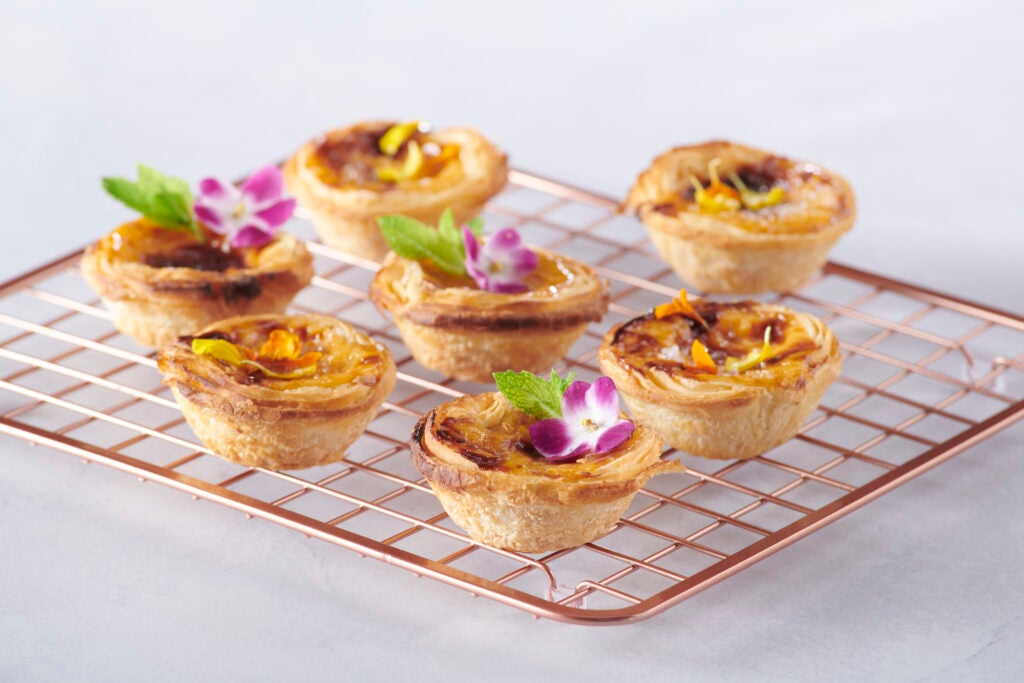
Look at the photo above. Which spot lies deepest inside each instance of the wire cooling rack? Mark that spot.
(925, 376)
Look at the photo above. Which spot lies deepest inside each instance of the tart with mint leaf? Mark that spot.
(275, 391)
(722, 380)
(538, 466)
(734, 219)
(346, 178)
(190, 261)
(469, 306)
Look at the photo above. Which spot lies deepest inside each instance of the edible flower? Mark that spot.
(420, 160)
(395, 137)
(501, 263)
(249, 215)
(679, 305)
(498, 265)
(702, 361)
(717, 196)
(575, 418)
(757, 200)
(754, 358)
(280, 356)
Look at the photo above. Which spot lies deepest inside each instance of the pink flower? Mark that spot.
(249, 215)
(590, 423)
(501, 263)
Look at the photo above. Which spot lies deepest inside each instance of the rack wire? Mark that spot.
(926, 375)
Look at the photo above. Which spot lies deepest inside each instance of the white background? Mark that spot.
(917, 104)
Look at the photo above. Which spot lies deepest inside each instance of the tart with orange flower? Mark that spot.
(281, 392)
(540, 465)
(469, 306)
(191, 261)
(722, 380)
(346, 178)
(734, 219)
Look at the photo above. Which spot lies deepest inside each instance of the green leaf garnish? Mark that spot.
(162, 199)
(536, 396)
(418, 241)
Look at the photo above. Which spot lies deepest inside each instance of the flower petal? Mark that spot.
(251, 236)
(603, 401)
(277, 213)
(264, 185)
(217, 190)
(553, 438)
(209, 217)
(613, 436)
(474, 268)
(574, 402)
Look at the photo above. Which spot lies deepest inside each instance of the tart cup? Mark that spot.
(160, 284)
(260, 421)
(471, 452)
(451, 326)
(332, 179)
(722, 416)
(743, 251)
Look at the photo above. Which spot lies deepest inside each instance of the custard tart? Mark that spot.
(734, 219)
(451, 325)
(346, 178)
(476, 453)
(280, 392)
(159, 284)
(722, 380)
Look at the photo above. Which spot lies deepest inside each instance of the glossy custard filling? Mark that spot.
(355, 160)
(157, 247)
(649, 345)
(811, 203)
(551, 275)
(499, 439)
(341, 361)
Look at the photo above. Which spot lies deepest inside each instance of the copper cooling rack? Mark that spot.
(925, 377)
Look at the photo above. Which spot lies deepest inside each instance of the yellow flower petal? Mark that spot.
(752, 359)
(397, 134)
(218, 348)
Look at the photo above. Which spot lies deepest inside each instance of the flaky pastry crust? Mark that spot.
(451, 326)
(744, 251)
(154, 305)
(345, 214)
(724, 416)
(471, 452)
(258, 421)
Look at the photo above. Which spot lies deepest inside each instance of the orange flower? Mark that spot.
(679, 305)
(280, 356)
(702, 361)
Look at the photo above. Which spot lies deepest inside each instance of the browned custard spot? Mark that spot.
(734, 330)
(144, 242)
(352, 159)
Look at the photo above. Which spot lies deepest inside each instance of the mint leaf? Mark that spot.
(418, 241)
(536, 396)
(476, 226)
(162, 199)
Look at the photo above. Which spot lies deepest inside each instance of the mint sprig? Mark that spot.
(536, 396)
(418, 241)
(162, 199)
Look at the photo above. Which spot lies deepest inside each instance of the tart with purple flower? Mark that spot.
(346, 178)
(722, 380)
(469, 306)
(191, 261)
(541, 465)
(734, 219)
(276, 391)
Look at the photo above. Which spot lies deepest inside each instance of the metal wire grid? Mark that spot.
(925, 376)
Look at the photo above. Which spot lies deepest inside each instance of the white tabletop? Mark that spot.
(104, 578)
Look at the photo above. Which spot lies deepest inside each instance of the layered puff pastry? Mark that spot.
(735, 219)
(735, 388)
(451, 326)
(159, 284)
(346, 178)
(475, 452)
(300, 390)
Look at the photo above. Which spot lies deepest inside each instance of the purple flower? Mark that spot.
(501, 263)
(589, 424)
(249, 215)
